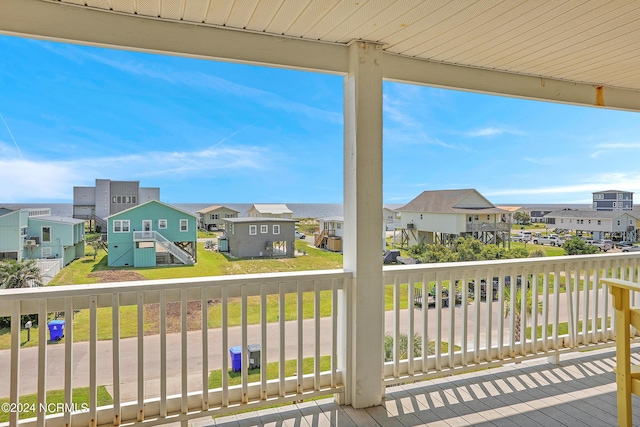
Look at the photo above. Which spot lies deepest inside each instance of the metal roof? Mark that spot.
(587, 214)
(572, 51)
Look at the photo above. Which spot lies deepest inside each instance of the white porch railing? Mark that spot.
(145, 236)
(572, 305)
(167, 374)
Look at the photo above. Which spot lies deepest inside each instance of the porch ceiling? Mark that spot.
(564, 51)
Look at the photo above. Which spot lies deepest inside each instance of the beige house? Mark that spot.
(271, 210)
(442, 215)
(211, 218)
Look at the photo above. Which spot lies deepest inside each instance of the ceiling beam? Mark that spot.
(49, 20)
(96, 27)
(416, 71)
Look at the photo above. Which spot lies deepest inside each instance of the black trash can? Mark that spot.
(254, 355)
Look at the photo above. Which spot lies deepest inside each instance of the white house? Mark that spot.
(600, 223)
(270, 210)
(442, 215)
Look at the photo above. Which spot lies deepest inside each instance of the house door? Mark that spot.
(146, 225)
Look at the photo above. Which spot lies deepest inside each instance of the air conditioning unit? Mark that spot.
(30, 243)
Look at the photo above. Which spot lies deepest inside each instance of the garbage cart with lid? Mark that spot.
(236, 357)
(56, 330)
(254, 355)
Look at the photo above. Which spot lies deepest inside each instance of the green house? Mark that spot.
(33, 233)
(151, 234)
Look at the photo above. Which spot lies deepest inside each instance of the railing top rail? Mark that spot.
(166, 284)
(540, 263)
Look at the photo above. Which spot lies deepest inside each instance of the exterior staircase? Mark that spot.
(167, 245)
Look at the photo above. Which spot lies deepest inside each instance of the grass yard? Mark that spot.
(55, 400)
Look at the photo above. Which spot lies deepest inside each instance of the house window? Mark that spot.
(133, 199)
(338, 226)
(119, 199)
(125, 226)
(276, 229)
(618, 222)
(233, 229)
(475, 218)
(162, 223)
(184, 225)
(615, 204)
(470, 219)
(113, 199)
(589, 221)
(488, 217)
(264, 229)
(420, 216)
(117, 226)
(214, 216)
(561, 221)
(599, 222)
(46, 234)
(253, 230)
(46, 253)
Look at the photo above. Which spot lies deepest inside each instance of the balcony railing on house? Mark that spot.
(488, 227)
(553, 305)
(163, 242)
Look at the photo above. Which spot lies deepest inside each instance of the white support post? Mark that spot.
(361, 359)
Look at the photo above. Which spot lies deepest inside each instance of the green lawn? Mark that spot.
(55, 399)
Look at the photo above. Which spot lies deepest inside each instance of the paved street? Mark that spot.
(128, 349)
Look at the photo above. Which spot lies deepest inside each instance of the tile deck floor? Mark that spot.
(580, 391)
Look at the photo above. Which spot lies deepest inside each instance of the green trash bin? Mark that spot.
(254, 355)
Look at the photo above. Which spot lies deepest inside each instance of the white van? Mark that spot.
(523, 236)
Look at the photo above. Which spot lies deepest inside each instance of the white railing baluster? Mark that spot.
(244, 365)
(585, 302)
(140, 310)
(438, 311)
(316, 344)
(281, 356)
(465, 314)
(68, 359)
(411, 351)
(534, 310)
(500, 314)
(595, 304)
(607, 330)
(452, 317)
(488, 297)
(42, 362)
(334, 331)
(15, 359)
(524, 295)
(513, 302)
(556, 307)
(396, 328)
(115, 346)
(571, 320)
(93, 359)
(225, 346)
(546, 283)
(204, 328)
(163, 353)
(425, 325)
(183, 359)
(476, 318)
(263, 342)
(300, 335)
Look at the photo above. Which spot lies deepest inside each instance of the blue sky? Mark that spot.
(206, 131)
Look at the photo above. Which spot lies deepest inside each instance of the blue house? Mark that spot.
(36, 234)
(151, 234)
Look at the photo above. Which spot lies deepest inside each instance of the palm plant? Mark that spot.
(403, 346)
(19, 274)
(517, 306)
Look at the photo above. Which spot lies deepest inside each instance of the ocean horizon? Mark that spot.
(300, 210)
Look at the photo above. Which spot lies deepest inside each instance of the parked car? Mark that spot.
(523, 236)
(603, 245)
(300, 235)
(624, 244)
(552, 240)
(632, 248)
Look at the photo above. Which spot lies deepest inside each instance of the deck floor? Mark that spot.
(580, 391)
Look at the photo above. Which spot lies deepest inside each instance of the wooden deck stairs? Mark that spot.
(321, 239)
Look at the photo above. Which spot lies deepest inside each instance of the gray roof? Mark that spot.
(445, 201)
(272, 208)
(58, 219)
(254, 219)
(215, 208)
(587, 213)
(332, 219)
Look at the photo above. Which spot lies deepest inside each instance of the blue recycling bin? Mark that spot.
(56, 330)
(236, 357)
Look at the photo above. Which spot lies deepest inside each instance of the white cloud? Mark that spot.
(632, 145)
(490, 131)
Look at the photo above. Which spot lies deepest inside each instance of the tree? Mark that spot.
(522, 217)
(517, 305)
(577, 246)
(93, 240)
(19, 274)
